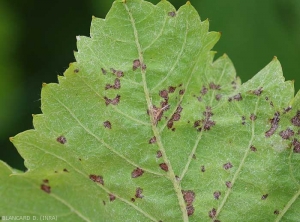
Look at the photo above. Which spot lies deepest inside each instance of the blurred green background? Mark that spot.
(37, 39)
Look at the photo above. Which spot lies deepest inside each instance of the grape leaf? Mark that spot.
(145, 126)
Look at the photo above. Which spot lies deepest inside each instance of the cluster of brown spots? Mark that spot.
(228, 184)
(181, 92)
(289, 108)
(202, 168)
(276, 212)
(171, 89)
(233, 83)
(117, 85)
(172, 14)
(217, 195)
(164, 167)
(175, 117)
(274, 125)
(237, 97)
(137, 172)
(103, 71)
(97, 179)
(164, 94)
(206, 123)
(189, 197)
(218, 97)
(138, 193)
(212, 213)
(46, 188)
(112, 197)
(296, 119)
(118, 73)
(257, 92)
(136, 64)
(76, 70)
(286, 134)
(203, 91)
(227, 166)
(296, 145)
(158, 154)
(113, 101)
(152, 140)
(107, 124)
(61, 139)
(243, 120)
(253, 117)
(158, 112)
(214, 86)
(253, 148)
(263, 197)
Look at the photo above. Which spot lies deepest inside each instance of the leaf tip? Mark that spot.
(44, 84)
(275, 58)
(78, 37)
(188, 3)
(93, 17)
(11, 139)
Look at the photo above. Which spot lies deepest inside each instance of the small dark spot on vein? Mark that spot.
(296, 119)
(172, 14)
(218, 97)
(163, 93)
(217, 195)
(144, 67)
(97, 179)
(227, 166)
(228, 184)
(263, 197)
(138, 193)
(257, 92)
(61, 139)
(296, 145)
(114, 101)
(286, 134)
(103, 71)
(136, 64)
(289, 108)
(212, 213)
(188, 196)
(237, 97)
(137, 172)
(76, 70)
(107, 124)
(112, 197)
(190, 210)
(274, 125)
(204, 90)
(214, 86)
(118, 73)
(181, 92)
(65, 170)
(194, 156)
(253, 117)
(276, 212)
(202, 169)
(158, 154)
(171, 89)
(253, 148)
(152, 140)
(46, 188)
(164, 167)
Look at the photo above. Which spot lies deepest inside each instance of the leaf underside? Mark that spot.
(145, 126)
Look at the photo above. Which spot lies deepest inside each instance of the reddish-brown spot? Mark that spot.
(276, 212)
(46, 188)
(118, 73)
(218, 97)
(197, 123)
(202, 169)
(296, 145)
(158, 154)
(157, 113)
(97, 179)
(171, 89)
(190, 210)
(204, 90)
(112, 197)
(61, 139)
(237, 97)
(176, 117)
(164, 167)
(263, 197)
(152, 140)
(181, 92)
(253, 117)
(144, 67)
(253, 148)
(188, 196)
(257, 92)
(136, 64)
(274, 125)
(296, 119)
(172, 14)
(212, 213)
(138, 193)
(214, 86)
(170, 124)
(217, 195)
(286, 134)
(137, 172)
(163, 94)
(228, 184)
(103, 71)
(107, 124)
(227, 166)
(45, 181)
(76, 70)
(114, 101)
(65, 170)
